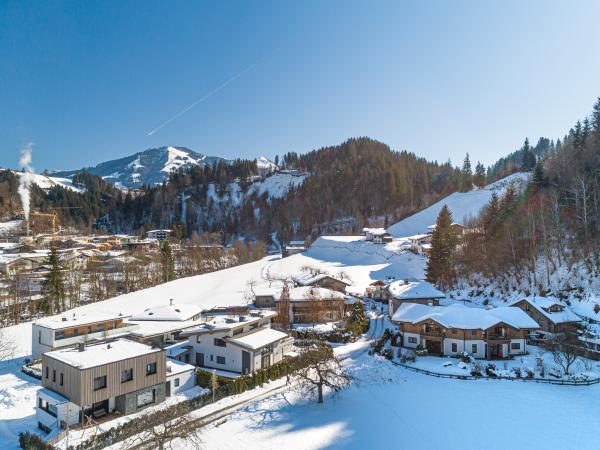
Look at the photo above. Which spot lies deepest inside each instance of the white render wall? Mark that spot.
(187, 380)
(232, 353)
(411, 335)
(464, 345)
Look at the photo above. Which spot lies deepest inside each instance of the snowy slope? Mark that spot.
(45, 182)
(278, 184)
(463, 205)
(265, 165)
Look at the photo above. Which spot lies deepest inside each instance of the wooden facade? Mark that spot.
(95, 327)
(78, 384)
(545, 322)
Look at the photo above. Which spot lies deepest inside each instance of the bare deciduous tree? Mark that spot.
(320, 369)
(564, 350)
(7, 347)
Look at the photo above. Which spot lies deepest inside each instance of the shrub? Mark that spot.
(387, 353)
(490, 370)
(476, 369)
(517, 372)
(529, 373)
(406, 355)
(30, 441)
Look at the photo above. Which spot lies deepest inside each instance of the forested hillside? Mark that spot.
(334, 189)
(546, 239)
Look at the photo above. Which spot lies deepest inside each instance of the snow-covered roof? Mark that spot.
(413, 289)
(309, 279)
(457, 316)
(175, 367)
(226, 322)
(147, 328)
(67, 319)
(171, 312)
(539, 303)
(418, 237)
(375, 231)
(175, 350)
(100, 354)
(51, 396)
(296, 243)
(258, 338)
(312, 292)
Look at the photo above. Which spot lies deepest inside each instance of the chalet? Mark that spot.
(449, 330)
(549, 313)
(457, 228)
(56, 332)
(375, 290)
(321, 280)
(411, 291)
(10, 264)
(419, 243)
(92, 381)
(312, 305)
(240, 344)
(377, 235)
(292, 248)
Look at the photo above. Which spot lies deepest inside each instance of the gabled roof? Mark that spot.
(310, 279)
(413, 289)
(540, 303)
(462, 317)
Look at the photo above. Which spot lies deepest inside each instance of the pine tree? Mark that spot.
(358, 322)
(479, 178)
(528, 161)
(596, 118)
(54, 286)
(538, 179)
(440, 265)
(168, 264)
(467, 174)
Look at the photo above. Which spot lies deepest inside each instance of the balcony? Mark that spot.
(96, 336)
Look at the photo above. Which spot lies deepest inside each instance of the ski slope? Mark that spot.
(463, 205)
(45, 182)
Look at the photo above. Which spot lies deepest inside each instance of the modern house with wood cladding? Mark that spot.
(68, 330)
(550, 313)
(495, 333)
(94, 380)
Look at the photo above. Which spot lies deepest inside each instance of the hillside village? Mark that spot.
(82, 372)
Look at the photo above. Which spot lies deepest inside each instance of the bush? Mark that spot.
(517, 372)
(529, 373)
(477, 369)
(387, 353)
(358, 322)
(406, 355)
(30, 441)
(490, 370)
(335, 336)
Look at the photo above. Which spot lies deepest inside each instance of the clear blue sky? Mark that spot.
(86, 81)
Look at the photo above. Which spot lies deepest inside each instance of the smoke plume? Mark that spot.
(26, 179)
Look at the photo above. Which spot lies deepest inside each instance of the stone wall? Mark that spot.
(127, 403)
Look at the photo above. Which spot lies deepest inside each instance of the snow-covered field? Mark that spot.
(389, 407)
(463, 205)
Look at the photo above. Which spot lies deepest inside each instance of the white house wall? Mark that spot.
(187, 380)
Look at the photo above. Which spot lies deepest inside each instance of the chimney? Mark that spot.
(64, 319)
(81, 346)
(171, 302)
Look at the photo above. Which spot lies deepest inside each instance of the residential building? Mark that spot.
(67, 330)
(550, 313)
(495, 333)
(375, 290)
(94, 380)
(160, 235)
(240, 344)
(310, 304)
(420, 243)
(322, 280)
(410, 291)
(377, 235)
(457, 228)
(292, 248)
(180, 377)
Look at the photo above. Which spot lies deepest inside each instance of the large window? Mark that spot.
(219, 342)
(220, 360)
(126, 375)
(59, 335)
(454, 347)
(412, 340)
(151, 368)
(474, 348)
(100, 327)
(145, 398)
(515, 345)
(100, 383)
(48, 407)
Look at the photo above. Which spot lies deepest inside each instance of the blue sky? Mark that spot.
(87, 81)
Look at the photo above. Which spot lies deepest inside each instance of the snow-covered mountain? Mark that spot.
(46, 182)
(149, 167)
(462, 205)
(265, 165)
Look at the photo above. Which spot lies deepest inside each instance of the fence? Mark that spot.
(471, 377)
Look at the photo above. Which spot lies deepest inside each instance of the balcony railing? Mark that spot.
(97, 335)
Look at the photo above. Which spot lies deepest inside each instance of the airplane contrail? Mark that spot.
(210, 94)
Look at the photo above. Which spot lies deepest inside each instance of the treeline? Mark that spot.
(522, 160)
(553, 224)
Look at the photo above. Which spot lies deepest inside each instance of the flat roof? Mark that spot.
(175, 367)
(70, 320)
(152, 328)
(101, 354)
(229, 321)
(169, 312)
